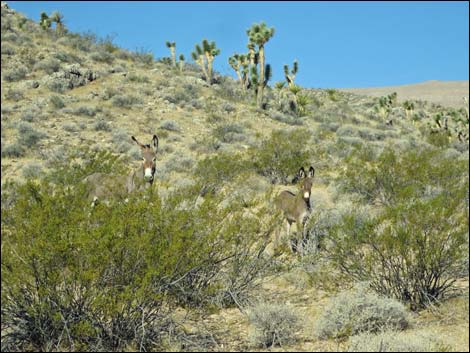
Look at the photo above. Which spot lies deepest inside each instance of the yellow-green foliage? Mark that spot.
(282, 154)
(415, 248)
(110, 276)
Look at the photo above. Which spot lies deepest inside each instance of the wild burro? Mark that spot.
(102, 186)
(296, 207)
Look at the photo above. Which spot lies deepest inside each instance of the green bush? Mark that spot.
(282, 154)
(109, 278)
(414, 249)
(215, 171)
(274, 325)
(355, 311)
(389, 177)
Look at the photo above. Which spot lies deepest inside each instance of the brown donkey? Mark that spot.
(102, 186)
(296, 208)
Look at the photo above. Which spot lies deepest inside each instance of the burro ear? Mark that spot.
(155, 142)
(301, 173)
(137, 142)
(311, 172)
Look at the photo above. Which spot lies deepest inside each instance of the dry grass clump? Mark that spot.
(358, 310)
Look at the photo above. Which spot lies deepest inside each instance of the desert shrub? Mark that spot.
(102, 125)
(392, 341)
(228, 108)
(142, 56)
(389, 177)
(124, 101)
(374, 134)
(14, 95)
(287, 119)
(274, 325)
(102, 57)
(49, 65)
(14, 150)
(415, 247)
(87, 111)
(29, 115)
(214, 171)
(8, 49)
(28, 135)
(111, 278)
(137, 78)
(412, 251)
(355, 311)
(183, 96)
(282, 154)
(81, 41)
(109, 92)
(58, 85)
(229, 133)
(70, 127)
(57, 102)
(32, 170)
(15, 74)
(170, 125)
(180, 163)
(67, 57)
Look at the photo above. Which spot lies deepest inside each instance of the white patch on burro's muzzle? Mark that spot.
(306, 195)
(148, 173)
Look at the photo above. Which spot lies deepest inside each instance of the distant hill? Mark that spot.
(446, 93)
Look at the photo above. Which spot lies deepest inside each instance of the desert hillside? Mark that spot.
(446, 93)
(197, 258)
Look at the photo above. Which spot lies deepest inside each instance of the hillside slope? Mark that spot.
(65, 92)
(446, 93)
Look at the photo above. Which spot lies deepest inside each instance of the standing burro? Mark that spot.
(102, 186)
(296, 207)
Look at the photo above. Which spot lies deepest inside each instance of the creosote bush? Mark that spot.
(415, 248)
(281, 154)
(108, 278)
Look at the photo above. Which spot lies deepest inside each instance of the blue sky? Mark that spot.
(337, 44)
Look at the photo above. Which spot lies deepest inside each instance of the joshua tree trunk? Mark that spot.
(209, 68)
(173, 55)
(259, 97)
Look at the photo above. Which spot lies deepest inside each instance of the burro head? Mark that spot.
(306, 182)
(149, 158)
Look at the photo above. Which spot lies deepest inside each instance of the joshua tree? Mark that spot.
(210, 51)
(240, 63)
(45, 22)
(181, 62)
(290, 78)
(300, 102)
(206, 53)
(198, 57)
(409, 107)
(279, 85)
(172, 47)
(258, 35)
(58, 18)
